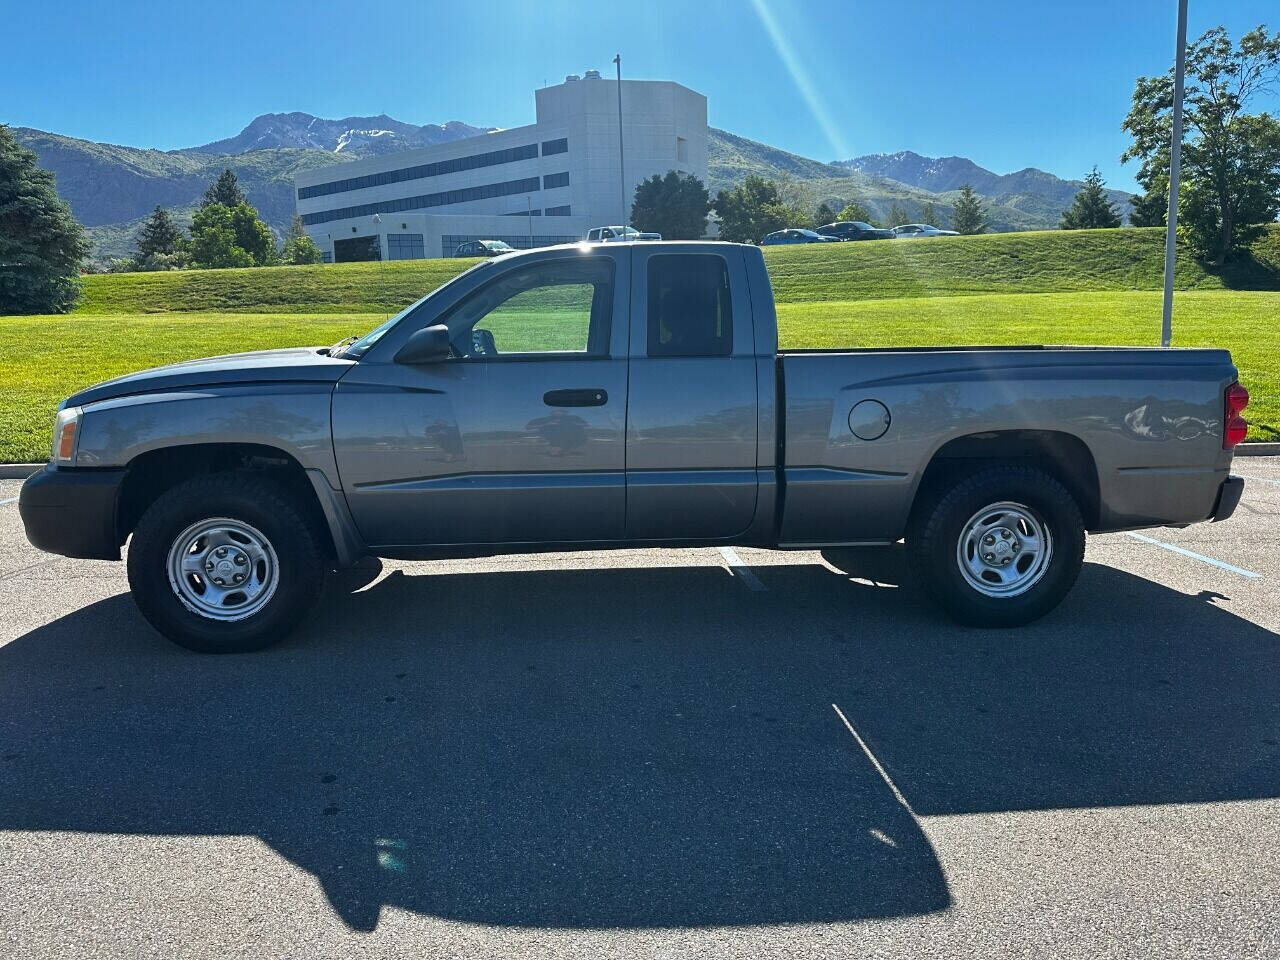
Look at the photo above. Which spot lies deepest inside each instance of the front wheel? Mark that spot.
(1001, 547)
(225, 563)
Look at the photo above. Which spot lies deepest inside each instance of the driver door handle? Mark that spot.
(587, 397)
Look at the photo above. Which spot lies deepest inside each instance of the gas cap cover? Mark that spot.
(869, 419)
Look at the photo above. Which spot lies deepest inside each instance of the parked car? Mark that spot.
(854, 230)
(242, 479)
(922, 230)
(483, 248)
(618, 234)
(793, 236)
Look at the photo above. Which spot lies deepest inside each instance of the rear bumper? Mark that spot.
(72, 512)
(1228, 497)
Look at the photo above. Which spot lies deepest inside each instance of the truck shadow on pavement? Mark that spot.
(635, 747)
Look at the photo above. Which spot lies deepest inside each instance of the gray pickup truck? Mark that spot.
(624, 394)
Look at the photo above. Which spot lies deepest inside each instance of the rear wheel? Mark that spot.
(1001, 547)
(225, 563)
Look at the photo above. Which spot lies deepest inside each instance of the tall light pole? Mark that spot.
(1175, 171)
(622, 166)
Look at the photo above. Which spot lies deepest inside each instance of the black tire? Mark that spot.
(934, 544)
(249, 499)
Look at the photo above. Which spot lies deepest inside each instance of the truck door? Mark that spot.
(691, 411)
(517, 437)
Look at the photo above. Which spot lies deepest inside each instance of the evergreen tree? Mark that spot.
(853, 210)
(929, 215)
(225, 190)
(41, 244)
(824, 214)
(674, 205)
(298, 246)
(161, 245)
(1150, 209)
(897, 216)
(969, 215)
(1090, 209)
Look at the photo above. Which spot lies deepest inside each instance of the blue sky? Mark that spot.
(1008, 84)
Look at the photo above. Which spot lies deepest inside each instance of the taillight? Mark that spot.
(1234, 426)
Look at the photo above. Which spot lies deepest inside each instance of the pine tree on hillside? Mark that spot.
(824, 214)
(969, 215)
(298, 246)
(225, 190)
(41, 244)
(897, 215)
(159, 235)
(929, 214)
(1090, 209)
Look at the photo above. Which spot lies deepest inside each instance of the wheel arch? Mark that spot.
(150, 474)
(1062, 455)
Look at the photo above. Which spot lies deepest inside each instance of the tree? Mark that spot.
(1151, 209)
(1090, 209)
(897, 216)
(674, 205)
(41, 244)
(929, 215)
(298, 246)
(824, 214)
(853, 210)
(969, 215)
(750, 210)
(1230, 158)
(225, 190)
(161, 245)
(223, 236)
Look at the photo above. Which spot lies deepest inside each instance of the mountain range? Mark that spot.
(111, 188)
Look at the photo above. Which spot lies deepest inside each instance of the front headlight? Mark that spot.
(66, 431)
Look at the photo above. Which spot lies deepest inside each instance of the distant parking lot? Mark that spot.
(644, 753)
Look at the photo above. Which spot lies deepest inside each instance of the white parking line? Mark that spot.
(1196, 556)
(741, 570)
(884, 774)
(10, 500)
(1245, 476)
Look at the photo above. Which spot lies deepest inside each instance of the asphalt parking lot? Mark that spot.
(664, 754)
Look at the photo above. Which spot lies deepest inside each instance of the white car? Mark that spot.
(618, 234)
(921, 230)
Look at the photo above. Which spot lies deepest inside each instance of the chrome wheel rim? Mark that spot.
(1004, 549)
(223, 569)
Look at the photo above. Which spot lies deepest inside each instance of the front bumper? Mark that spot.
(1228, 497)
(72, 512)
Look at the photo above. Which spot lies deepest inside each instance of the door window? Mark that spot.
(556, 306)
(689, 309)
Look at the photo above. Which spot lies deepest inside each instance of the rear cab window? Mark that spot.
(690, 313)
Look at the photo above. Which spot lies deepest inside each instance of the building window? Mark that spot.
(356, 249)
(535, 212)
(552, 180)
(682, 150)
(442, 199)
(689, 309)
(405, 246)
(450, 242)
(558, 211)
(550, 147)
(421, 171)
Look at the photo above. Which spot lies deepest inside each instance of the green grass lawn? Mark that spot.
(43, 359)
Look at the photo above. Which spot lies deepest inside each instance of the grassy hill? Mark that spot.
(1040, 262)
(1052, 287)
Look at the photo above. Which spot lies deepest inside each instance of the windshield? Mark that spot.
(361, 346)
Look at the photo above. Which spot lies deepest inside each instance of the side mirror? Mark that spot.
(428, 345)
